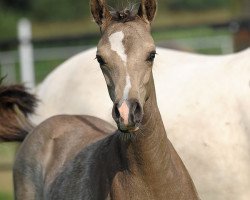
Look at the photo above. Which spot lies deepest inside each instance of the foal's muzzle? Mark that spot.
(128, 115)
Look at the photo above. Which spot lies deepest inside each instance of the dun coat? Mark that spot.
(83, 157)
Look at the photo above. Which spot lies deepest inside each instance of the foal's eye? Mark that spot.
(100, 60)
(151, 56)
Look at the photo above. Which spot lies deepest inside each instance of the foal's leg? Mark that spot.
(24, 189)
(28, 181)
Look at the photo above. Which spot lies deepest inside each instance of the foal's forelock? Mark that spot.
(124, 15)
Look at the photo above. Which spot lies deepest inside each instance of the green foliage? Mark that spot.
(54, 16)
(195, 4)
(8, 22)
(43, 10)
(15, 4)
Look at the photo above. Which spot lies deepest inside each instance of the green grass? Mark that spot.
(189, 18)
(63, 28)
(7, 154)
(44, 68)
(6, 196)
(187, 33)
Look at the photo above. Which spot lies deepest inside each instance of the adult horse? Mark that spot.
(78, 157)
(204, 102)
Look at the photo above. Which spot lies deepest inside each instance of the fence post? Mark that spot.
(26, 53)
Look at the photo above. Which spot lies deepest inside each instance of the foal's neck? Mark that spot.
(151, 143)
(152, 157)
(150, 149)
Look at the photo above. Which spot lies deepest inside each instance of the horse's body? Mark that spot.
(204, 102)
(61, 142)
(83, 157)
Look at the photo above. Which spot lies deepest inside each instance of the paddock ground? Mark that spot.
(7, 153)
(6, 188)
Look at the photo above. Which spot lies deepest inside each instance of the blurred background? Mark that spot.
(60, 29)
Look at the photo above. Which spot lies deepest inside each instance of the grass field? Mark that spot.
(44, 68)
(7, 153)
(6, 188)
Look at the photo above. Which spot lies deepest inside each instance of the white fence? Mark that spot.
(27, 56)
(9, 59)
(26, 52)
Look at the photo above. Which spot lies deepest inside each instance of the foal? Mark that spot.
(82, 157)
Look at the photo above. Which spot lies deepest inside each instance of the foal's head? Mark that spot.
(126, 53)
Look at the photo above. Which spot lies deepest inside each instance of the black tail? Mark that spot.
(15, 106)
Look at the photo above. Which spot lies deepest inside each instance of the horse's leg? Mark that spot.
(28, 182)
(23, 188)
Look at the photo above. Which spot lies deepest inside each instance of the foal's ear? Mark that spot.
(99, 11)
(147, 10)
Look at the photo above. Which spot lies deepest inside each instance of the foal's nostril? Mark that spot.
(137, 112)
(115, 112)
(128, 113)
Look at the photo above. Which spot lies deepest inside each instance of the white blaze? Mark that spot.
(127, 87)
(117, 46)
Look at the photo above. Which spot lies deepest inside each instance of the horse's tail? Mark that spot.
(15, 106)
